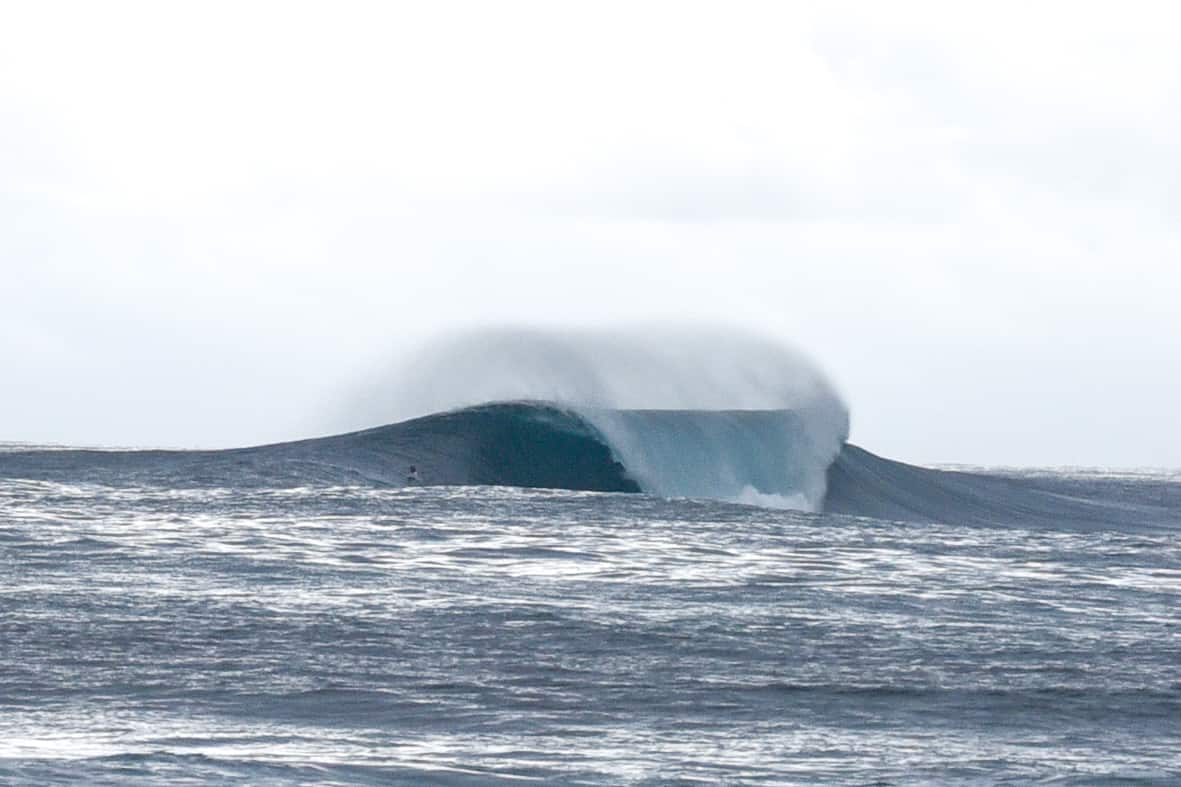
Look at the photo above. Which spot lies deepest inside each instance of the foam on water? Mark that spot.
(474, 635)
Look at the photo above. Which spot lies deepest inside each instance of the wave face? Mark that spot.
(503, 444)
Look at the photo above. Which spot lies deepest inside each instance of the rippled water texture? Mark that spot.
(477, 634)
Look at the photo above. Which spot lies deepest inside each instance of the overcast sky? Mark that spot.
(218, 219)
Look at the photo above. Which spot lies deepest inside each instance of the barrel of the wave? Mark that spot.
(760, 457)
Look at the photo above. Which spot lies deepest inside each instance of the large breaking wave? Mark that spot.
(690, 412)
(690, 415)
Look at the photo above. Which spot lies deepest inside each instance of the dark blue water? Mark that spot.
(343, 634)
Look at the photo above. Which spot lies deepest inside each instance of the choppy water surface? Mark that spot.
(344, 634)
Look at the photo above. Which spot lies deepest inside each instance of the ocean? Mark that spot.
(301, 614)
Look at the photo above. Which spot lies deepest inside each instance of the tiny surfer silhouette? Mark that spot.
(412, 476)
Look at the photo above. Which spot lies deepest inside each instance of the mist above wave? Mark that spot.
(641, 367)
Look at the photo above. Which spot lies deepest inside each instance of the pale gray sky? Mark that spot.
(218, 219)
